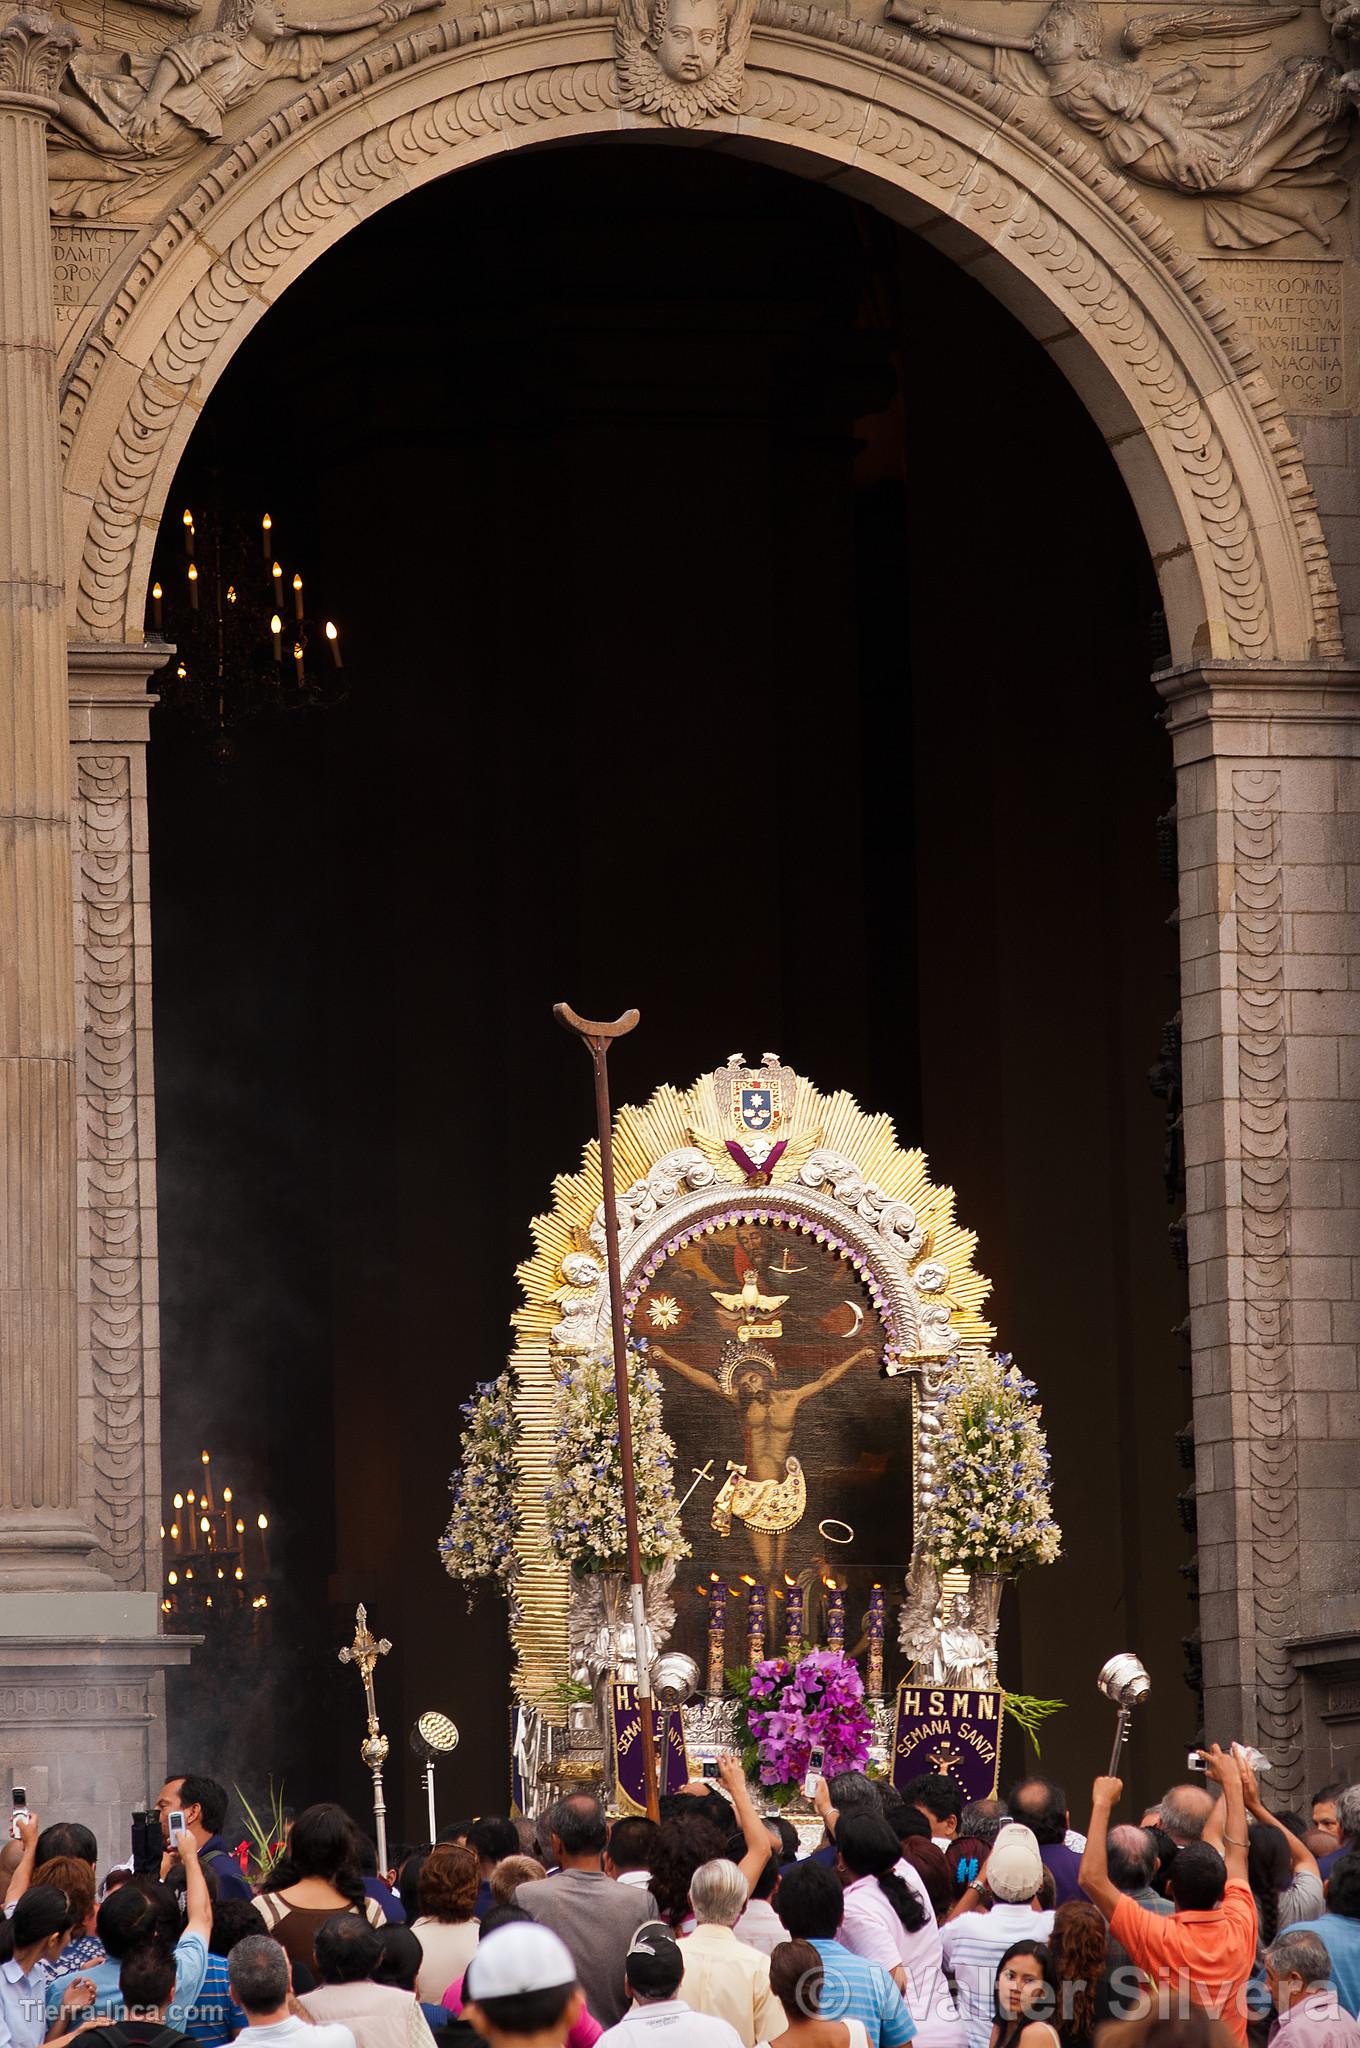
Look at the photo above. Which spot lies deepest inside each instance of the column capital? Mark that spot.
(107, 687)
(35, 48)
(1265, 709)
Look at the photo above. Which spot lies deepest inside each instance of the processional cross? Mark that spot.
(363, 1653)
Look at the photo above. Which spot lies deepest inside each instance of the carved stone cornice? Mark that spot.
(35, 48)
(109, 699)
(988, 161)
(1265, 708)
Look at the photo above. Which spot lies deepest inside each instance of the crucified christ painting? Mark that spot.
(800, 1453)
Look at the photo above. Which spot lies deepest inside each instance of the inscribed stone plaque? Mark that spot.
(83, 252)
(1296, 315)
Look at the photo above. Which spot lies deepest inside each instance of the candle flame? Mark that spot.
(297, 650)
(789, 1580)
(276, 572)
(190, 1496)
(267, 523)
(204, 1457)
(179, 1500)
(174, 1530)
(276, 624)
(239, 1574)
(746, 1579)
(332, 632)
(297, 580)
(193, 572)
(172, 1578)
(162, 1529)
(188, 518)
(262, 1522)
(830, 1584)
(181, 671)
(156, 591)
(231, 593)
(240, 1528)
(226, 1496)
(203, 1523)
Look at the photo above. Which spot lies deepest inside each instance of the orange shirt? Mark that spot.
(1206, 1956)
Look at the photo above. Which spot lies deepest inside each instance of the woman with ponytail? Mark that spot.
(34, 1935)
(889, 1919)
(796, 1979)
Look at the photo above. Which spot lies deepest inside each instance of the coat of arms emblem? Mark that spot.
(755, 1105)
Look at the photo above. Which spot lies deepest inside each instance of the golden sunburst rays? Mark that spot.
(671, 1121)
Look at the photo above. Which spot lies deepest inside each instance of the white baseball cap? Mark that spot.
(515, 1959)
(1015, 1869)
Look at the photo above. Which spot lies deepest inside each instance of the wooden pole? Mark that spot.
(597, 1039)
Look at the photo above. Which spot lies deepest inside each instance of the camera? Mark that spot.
(19, 1802)
(148, 1845)
(1197, 1761)
(708, 1770)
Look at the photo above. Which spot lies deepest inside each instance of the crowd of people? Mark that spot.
(1211, 1923)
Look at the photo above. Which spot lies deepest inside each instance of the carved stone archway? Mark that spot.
(1193, 425)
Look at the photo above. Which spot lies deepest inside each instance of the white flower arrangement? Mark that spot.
(584, 1498)
(479, 1542)
(993, 1512)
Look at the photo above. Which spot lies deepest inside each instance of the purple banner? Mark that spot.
(626, 1736)
(953, 1732)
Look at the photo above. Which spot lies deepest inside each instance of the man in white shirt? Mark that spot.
(261, 1980)
(659, 2017)
(974, 1942)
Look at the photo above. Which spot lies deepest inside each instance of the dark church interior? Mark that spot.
(718, 638)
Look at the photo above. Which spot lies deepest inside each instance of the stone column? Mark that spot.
(1268, 808)
(44, 1540)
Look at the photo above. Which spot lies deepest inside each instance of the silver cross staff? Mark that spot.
(364, 1653)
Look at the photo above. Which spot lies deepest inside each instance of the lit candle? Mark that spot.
(266, 528)
(874, 1675)
(188, 533)
(835, 1616)
(297, 661)
(156, 611)
(755, 1623)
(262, 1524)
(297, 595)
(333, 636)
(193, 585)
(717, 1634)
(176, 1529)
(793, 1619)
(276, 628)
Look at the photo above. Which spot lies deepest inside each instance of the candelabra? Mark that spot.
(216, 1554)
(248, 641)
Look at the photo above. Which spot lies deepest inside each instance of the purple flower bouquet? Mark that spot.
(816, 1703)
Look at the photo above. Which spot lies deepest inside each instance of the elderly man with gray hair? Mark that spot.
(723, 1976)
(261, 1980)
(1298, 1973)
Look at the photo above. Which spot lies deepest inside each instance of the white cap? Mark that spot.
(1015, 1869)
(518, 1958)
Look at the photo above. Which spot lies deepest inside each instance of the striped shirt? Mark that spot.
(855, 1989)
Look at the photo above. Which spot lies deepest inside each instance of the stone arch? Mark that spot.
(1185, 408)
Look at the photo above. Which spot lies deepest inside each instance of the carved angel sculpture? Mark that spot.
(1255, 158)
(138, 117)
(600, 1625)
(682, 59)
(918, 1631)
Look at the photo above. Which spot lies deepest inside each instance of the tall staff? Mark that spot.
(597, 1039)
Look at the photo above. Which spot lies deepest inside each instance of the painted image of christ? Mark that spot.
(798, 1451)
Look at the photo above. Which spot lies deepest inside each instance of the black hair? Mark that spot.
(206, 1794)
(525, 2012)
(365, 1854)
(869, 1848)
(1330, 1792)
(735, 1850)
(41, 1912)
(66, 1838)
(1042, 1806)
(1296, 1823)
(232, 1921)
(502, 1916)
(939, 1792)
(908, 1823)
(579, 1824)
(139, 1911)
(791, 1847)
(1343, 1886)
(494, 1839)
(1013, 2024)
(324, 1844)
(347, 1949)
(147, 1978)
(811, 1902)
(1198, 1878)
(401, 1958)
(408, 1882)
(630, 1842)
(1270, 1871)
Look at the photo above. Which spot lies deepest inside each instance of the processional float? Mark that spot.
(751, 1337)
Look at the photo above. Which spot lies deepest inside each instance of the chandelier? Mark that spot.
(216, 1555)
(249, 642)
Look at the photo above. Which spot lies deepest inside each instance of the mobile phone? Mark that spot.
(19, 1802)
(816, 1758)
(709, 1769)
(174, 1826)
